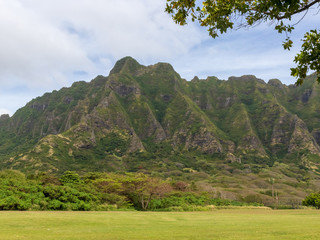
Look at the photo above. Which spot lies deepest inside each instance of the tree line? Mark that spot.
(102, 191)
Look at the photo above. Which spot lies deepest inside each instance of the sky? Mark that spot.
(49, 44)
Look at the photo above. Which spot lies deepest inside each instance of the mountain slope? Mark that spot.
(139, 116)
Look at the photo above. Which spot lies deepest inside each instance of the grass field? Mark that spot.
(218, 224)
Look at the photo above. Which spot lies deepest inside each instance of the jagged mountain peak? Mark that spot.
(247, 78)
(276, 83)
(4, 117)
(152, 110)
(128, 64)
(195, 79)
(162, 66)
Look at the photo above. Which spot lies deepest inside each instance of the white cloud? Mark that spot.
(118, 28)
(46, 45)
(34, 52)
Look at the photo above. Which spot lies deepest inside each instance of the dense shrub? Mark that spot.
(190, 201)
(312, 200)
(100, 191)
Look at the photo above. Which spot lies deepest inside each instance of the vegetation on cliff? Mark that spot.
(229, 135)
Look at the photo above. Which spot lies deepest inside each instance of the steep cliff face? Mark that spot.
(149, 111)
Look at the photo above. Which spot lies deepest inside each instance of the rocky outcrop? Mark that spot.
(4, 117)
(282, 132)
(276, 83)
(306, 95)
(251, 144)
(109, 115)
(232, 158)
(316, 135)
(203, 140)
(123, 89)
(301, 139)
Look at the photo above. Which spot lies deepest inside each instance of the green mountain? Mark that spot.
(149, 119)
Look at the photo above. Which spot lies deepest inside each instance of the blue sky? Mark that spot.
(47, 45)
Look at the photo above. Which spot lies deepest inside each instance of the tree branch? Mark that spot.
(300, 10)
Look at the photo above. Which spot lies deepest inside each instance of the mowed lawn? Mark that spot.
(218, 224)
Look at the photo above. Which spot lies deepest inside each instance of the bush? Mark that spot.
(56, 205)
(70, 177)
(312, 200)
(14, 203)
(81, 206)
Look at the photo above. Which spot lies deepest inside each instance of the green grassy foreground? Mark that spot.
(218, 224)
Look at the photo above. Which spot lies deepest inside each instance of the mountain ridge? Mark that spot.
(145, 109)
